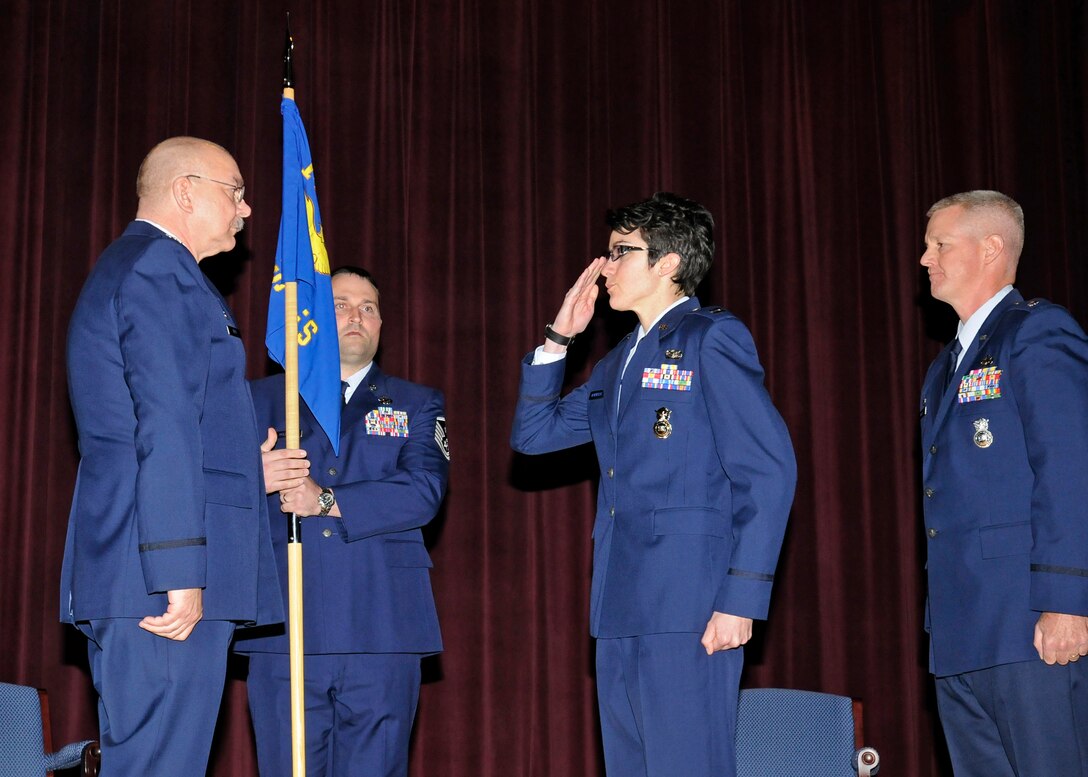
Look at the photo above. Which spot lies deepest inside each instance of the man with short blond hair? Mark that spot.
(1004, 414)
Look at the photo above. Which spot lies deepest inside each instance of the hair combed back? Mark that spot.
(671, 224)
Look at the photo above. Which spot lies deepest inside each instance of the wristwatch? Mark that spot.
(326, 500)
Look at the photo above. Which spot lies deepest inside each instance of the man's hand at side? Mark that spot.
(185, 609)
(725, 632)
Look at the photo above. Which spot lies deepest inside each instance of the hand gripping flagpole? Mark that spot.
(294, 523)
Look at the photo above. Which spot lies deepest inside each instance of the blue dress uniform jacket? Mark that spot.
(169, 493)
(690, 519)
(1005, 486)
(366, 576)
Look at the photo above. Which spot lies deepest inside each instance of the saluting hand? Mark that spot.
(577, 308)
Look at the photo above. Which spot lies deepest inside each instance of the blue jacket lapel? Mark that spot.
(363, 400)
(651, 342)
(948, 398)
(612, 370)
(626, 380)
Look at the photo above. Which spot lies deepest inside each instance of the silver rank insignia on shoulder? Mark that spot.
(662, 427)
(984, 438)
(674, 353)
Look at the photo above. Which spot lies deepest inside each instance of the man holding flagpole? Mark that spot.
(369, 611)
(341, 700)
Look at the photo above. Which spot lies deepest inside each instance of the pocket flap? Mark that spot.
(690, 520)
(1006, 540)
(228, 488)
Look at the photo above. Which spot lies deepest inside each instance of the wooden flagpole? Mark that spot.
(294, 525)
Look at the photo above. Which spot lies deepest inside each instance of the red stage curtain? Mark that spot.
(465, 152)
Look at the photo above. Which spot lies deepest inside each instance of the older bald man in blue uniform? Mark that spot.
(168, 547)
(697, 479)
(1005, 491)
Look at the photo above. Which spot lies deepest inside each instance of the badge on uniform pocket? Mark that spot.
(983, 438)
(662, 426)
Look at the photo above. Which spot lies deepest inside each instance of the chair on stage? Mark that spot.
(26, 742)
(789, 732)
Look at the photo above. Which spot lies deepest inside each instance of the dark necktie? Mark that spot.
(953, 360)
(344, 391)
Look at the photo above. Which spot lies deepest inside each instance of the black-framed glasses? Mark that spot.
(238, 192)
(620, 250)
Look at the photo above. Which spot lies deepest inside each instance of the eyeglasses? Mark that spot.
(620, 250)
(238, 192)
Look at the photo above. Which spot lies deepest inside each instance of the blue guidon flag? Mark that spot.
(301, 257)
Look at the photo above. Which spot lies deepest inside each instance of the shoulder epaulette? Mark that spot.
(710, 311)
(1029, 303)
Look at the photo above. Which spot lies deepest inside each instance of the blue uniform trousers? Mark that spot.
(158, 698)
(667, 708)
(359, 713)
(1017, 720)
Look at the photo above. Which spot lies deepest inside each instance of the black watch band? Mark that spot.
(557, 338)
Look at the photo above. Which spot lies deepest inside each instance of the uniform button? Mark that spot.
(932, 533)
(929, 493)
(932, 448)
(326, 533)
(611, 472)
(332, 470)
(612, 511)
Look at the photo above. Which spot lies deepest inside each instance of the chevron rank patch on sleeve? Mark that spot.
(440, 436)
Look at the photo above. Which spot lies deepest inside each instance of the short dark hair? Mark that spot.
(350, 269)
(671, 224)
